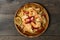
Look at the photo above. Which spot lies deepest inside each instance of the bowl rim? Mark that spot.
(46, 24)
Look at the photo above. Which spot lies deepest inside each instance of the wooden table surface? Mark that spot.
(8, 9)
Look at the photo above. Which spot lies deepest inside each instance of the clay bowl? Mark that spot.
(40, 31)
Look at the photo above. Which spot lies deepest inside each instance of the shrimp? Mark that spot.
(32, 12)
(38, 18)
(28, 28)
(24, 17)
(36, 25)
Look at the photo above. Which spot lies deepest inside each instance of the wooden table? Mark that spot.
(8, 9)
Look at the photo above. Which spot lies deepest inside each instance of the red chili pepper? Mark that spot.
(44, 15)
(32, 18)
(29, 19)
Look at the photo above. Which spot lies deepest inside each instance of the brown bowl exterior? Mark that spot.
(46, 17)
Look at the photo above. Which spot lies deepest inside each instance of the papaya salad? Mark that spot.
(31, 19)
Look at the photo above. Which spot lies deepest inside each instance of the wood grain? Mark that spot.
(8, 9)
